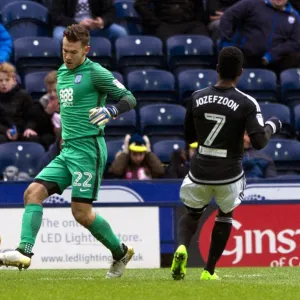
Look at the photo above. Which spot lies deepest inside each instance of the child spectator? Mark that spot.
(180, 162)
(136, 161)
(45, 112)
(15, 105)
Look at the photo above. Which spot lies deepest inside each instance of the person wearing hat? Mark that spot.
(180, 162)
(136, 161)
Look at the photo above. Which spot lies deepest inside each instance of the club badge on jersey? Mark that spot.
(78, 78)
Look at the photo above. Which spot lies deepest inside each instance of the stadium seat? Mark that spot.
(118, 76)
(150, 86)
(3, 3)
(164, 149)
(191, 80)
(125, 123)
(290, 86)
(159, 121)
(24, 155)
(258, 83)
(184, 51)
(297, 118)
(100, 52)
(283, 113)
(113, 147)
(280, 111)
(34, 84)
(26, 18)
(285, 153)
(127, 16)
(37, 54)
(139, 51)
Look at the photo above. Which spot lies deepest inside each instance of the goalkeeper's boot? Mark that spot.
(117, 267)
(205, 275)
(178, 268)
(15, 258)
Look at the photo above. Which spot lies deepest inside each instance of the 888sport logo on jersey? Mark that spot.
(66, 97)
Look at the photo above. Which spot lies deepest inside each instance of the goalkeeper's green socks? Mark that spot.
(102, 231)
(31, 223)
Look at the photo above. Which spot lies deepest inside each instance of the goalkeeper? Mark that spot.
(82, 88)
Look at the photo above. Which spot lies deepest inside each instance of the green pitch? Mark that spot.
(236, 283)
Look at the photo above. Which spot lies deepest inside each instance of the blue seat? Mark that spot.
(101, 52)
(37, 54)
(150, 86)
(24, 155)
(297, 118)
(35, 85)
(26, 18)
(285, 153)
(159, 121)
(139, 51)
(189, 51)
(3, 3)
(280, 111)
(290, 86)
(164, 149)
(260, 84)
(125, 123)
(118, 76)
(113, 147)
(191, 80)
(127, 16)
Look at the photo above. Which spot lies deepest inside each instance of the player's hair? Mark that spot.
(8, 68)
(230, 62)
(75, 33)
(51, 78)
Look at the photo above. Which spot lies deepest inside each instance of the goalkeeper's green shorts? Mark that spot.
(81, 164)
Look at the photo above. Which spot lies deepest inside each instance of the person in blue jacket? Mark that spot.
(267, 31)
(5, 44)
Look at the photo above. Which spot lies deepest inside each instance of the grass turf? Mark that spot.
(236, 283)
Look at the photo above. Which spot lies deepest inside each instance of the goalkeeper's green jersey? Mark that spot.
(82, 89)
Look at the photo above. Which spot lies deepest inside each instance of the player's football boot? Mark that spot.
(178, 268)
(15, 258)
(205, 275)
(117, 267)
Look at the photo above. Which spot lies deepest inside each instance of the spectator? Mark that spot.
(52, 152)
(50, 83)
(49, 102)
(136, 161)
(268, 33)
(5, 44)
(96, 15)
(214, 10)
(255, 163)
(47, 120)
(180, 162)
(15, 104)
(169, 17)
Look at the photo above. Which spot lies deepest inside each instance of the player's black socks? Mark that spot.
(219, 237)
(188, 224)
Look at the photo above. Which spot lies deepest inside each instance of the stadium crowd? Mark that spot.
(267, 32)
